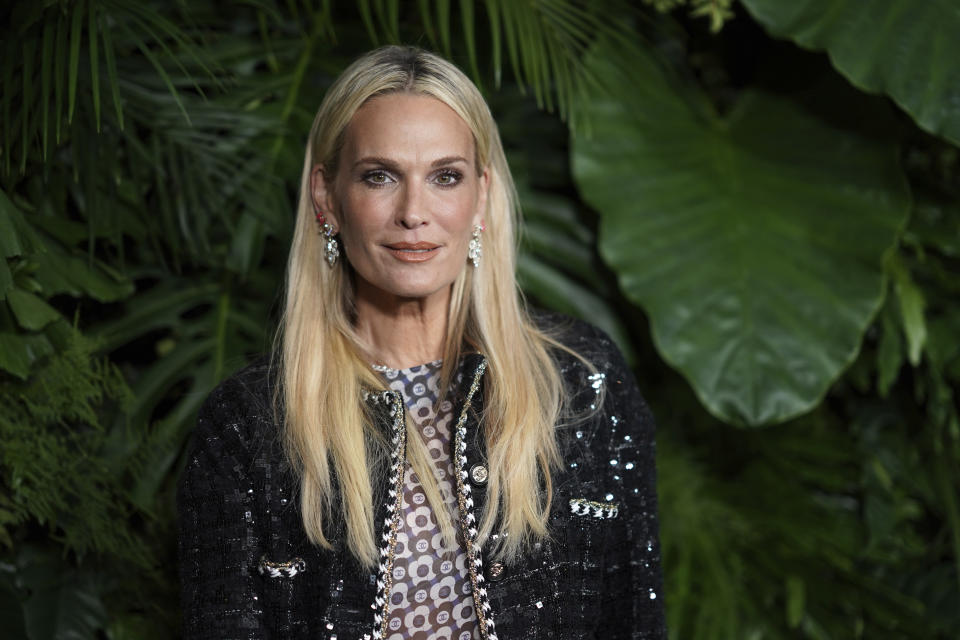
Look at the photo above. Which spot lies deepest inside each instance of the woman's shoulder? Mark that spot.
(241, 405)
(235, 444)
(589, 341)
(246, 388)
(608, 375)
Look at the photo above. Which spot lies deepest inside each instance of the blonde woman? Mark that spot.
(420, 458)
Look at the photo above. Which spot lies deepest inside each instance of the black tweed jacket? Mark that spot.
(249, 571)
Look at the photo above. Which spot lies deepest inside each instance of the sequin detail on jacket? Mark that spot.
(248, 570)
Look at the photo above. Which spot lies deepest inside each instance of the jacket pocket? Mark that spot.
(285, 584)
(588, 533)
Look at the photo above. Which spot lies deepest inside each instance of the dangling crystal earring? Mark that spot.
(475, 251)
(331, 248)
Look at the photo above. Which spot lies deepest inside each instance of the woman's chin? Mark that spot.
(403, 290)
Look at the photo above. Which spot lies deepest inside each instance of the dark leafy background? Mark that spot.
(759, 201)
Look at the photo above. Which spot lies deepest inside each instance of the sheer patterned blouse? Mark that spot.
(431, 593)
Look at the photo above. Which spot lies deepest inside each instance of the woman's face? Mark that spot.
(406, 197)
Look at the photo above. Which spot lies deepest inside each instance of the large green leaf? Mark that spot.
(32, 312)
(19, 352)
(906, 49)
(754, 241)
(60, 272)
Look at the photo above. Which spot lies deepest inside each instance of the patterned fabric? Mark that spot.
(238, 508)
(431, 595)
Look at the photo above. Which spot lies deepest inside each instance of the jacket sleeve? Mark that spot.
(633, 583)
(218, 545)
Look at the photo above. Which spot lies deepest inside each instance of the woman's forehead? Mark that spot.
(408, 128)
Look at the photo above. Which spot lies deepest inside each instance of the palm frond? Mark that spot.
(77, 57)
(545, 41)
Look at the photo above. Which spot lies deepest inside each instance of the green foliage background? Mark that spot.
(758, 200)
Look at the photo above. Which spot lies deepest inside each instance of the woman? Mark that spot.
(421, 459)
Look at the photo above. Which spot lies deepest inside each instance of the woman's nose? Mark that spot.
(410, 212)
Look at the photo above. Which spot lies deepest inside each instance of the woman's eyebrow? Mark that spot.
(393, 166)
(390, 164)
(386, 162)
(448, 160)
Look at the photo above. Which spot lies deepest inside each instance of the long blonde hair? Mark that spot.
(323, 369)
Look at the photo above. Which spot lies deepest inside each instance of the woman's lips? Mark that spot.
(412, 251)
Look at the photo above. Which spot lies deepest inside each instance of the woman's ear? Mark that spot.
(321, 195)
(482, 197)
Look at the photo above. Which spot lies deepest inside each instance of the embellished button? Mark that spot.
(496, 571)
(478, 473)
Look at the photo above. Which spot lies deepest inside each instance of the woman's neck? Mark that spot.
(402, 332)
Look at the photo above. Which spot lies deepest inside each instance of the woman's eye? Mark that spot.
(377, 178)
(448, 178)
